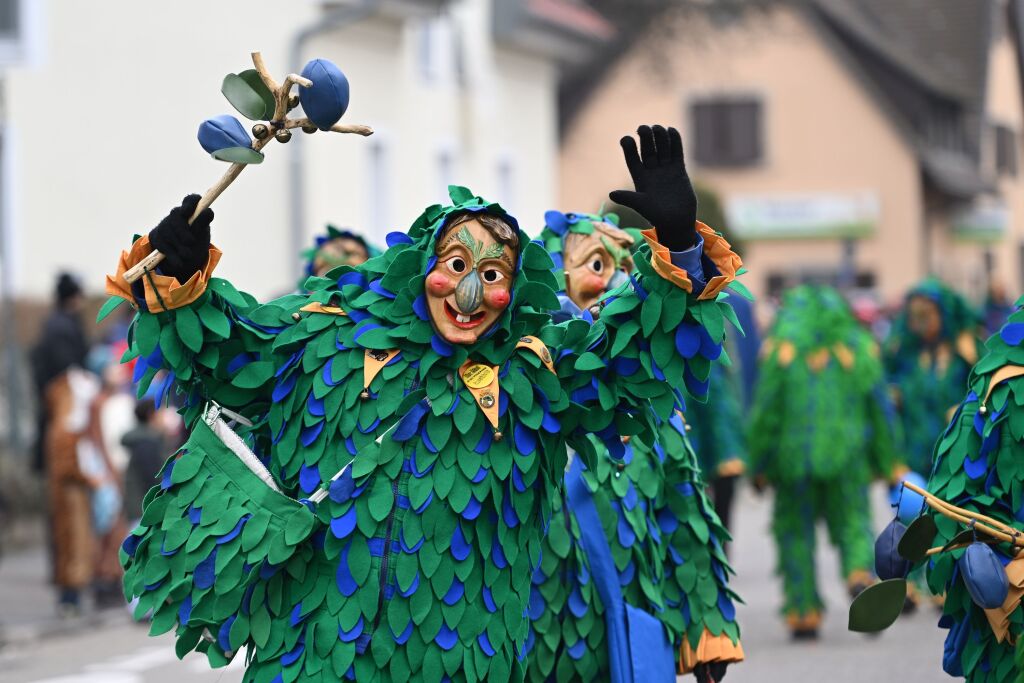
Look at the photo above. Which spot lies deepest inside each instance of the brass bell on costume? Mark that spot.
(283, 135)
(260, 131)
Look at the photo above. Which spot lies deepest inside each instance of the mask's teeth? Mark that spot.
(462, 318)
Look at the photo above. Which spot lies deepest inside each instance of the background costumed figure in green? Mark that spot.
(382, 516)
(928, 357)
(663, 533)
(336, 247)
(979, 466)
(717, 436)
(818, 435)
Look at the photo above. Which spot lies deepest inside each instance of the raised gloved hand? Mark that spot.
(710, 672)
(664, 194)
(186, 248)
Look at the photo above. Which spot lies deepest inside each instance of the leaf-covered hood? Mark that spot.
(332, 233)
(813, 317)
(558, 225)
(958, 316)
(389, 288)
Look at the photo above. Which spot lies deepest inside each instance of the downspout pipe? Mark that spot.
(334, 20)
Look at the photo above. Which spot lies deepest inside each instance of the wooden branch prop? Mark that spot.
(984, 524)
(279, 122)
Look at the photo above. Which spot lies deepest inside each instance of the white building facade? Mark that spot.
(102, 111)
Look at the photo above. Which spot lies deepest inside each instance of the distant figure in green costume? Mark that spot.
(718, 436)
(979, 466)
(818, 436)
(928, 356)
(377, 513)
(664, 537)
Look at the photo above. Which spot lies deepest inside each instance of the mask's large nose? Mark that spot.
(469, 293)
(617, 279)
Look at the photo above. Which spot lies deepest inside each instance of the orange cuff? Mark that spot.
(716, 248)
(163, 292)
(711, 648)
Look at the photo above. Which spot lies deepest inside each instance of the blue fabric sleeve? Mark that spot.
(690, 260)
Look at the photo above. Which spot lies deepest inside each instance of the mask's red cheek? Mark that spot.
(593, 284)
(497, 299)
(438, 283)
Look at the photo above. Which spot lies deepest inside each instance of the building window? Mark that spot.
(727, 131)
(1006, 150)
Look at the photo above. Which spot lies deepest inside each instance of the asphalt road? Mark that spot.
(117, 651)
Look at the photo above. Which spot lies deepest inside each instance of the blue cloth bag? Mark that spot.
(638, 650)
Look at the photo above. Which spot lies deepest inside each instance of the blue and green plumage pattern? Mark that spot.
(419, 565)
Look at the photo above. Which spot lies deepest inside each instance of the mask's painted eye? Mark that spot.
(491, 276)
(597, 265)
(457, 264)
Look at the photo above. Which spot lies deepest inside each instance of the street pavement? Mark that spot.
(36, 648)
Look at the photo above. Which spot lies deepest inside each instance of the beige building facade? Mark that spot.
(825, 162)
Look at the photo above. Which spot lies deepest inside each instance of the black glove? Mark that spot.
(186, 248)
(710, 672)
(664, 194)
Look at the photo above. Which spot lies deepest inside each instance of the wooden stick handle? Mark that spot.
(982, 523)
(155, 257)
(281, 120)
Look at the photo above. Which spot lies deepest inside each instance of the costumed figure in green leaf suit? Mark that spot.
(819, 434)
(928, 357)
(378, 510)
(979, 466)
(337, 247)
(664, 538)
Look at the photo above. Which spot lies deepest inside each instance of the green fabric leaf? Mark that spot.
(111, 304)
(189, 330)
(243, 96)
(238, 155)
(878, 606)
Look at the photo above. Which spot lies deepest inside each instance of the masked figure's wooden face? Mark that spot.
(592, 261)
(469, 288)
(924, 319)
(341, 251)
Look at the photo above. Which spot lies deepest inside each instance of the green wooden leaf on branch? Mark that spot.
(252, 77)
(878, 606)
(238, 155)
(918, 538)
(249, 101)
(109, 307)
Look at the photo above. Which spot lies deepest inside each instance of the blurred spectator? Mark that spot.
(62, 343)
(107, 499)
(147, 447)
(71, 481)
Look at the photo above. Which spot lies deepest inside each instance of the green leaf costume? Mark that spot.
(929, 379)
(416, 563)
(663, 533)
(979, 465)
(819, 433)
